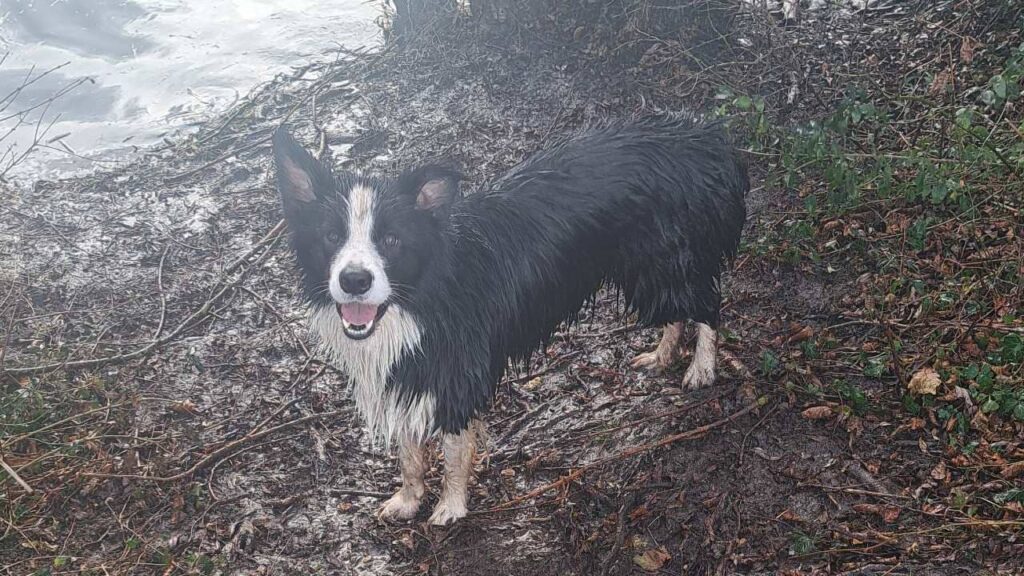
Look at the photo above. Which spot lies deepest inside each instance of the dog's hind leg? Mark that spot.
(702, 370)
(459, 451)
(413, 463)
(661, 357)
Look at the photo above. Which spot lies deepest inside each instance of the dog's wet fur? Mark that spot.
(423, 296)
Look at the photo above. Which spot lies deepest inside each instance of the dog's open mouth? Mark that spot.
(359, 319)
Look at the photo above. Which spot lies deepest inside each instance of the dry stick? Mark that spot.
(10, 325)
(14, 475)
(163, 297)
(222, 451)
(20, 437)
(658, 416)
(688, 435)
(184, 175)
(199, 314)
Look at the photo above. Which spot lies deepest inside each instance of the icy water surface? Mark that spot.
(150, 66)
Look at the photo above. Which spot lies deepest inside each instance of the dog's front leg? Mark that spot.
(459, 451)
(413, 463)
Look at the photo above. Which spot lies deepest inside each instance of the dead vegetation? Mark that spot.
(161, 412)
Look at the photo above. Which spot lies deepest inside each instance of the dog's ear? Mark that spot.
(435, 187)
(301, 179)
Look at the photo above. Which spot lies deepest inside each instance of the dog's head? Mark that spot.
(362, 243)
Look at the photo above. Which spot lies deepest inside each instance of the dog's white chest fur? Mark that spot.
(367, 364)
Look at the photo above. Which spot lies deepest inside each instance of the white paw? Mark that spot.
(401, 506)
(698, 375)
(447, 512)
(651, 361)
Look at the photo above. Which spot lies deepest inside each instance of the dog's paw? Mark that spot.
(653, 361)
(447, 512)
(698, 375)
(401, 506)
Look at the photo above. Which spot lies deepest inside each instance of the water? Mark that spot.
(141, 69)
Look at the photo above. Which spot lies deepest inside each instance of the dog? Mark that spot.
(422, 296)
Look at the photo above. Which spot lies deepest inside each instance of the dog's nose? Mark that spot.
(355, 281)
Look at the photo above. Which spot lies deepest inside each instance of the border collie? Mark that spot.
(422, 296)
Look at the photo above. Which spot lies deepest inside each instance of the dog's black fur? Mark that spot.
(654, 207)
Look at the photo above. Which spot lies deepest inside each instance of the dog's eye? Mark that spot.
(391, 241)
(333, 237)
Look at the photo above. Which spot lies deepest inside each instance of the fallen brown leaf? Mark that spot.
(967, 46)
(639, 513)
(924, 381)
(804, 333)
(789, 516)
(818, 413)
(652, 560)
(186, 407)
(1013, 470)
(890, 514)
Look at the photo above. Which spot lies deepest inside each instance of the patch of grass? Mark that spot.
(851, 395)
(770, 365)
(802, 543)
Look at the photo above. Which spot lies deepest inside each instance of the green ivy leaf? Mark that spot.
(999, 86)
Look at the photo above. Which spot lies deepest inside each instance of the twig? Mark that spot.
(671, 439)
(10, 325)
(163, 297)
(266, 238)
(858, 472)
(53, 425)
(351, 492)
(14, 475)
(221, 452)
(658, 416)
(184, 175)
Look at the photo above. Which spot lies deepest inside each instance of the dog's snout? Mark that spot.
(355, 281)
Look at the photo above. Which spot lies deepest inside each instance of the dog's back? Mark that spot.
(654, 207)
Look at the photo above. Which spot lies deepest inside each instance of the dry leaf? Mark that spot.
(941, 82)
(818, 413)
(804, 333)
(939, 472)
(639, 513)
(1013, 470)
(967, 46)
(789, 516)
(652, 560)
(186, 407)
(924, 381)
(890, 514)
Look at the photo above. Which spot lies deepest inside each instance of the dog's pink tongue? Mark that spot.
(358, 314)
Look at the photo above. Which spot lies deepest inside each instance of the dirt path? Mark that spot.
(169, 281)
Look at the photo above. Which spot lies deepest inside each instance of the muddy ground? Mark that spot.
(163, 406)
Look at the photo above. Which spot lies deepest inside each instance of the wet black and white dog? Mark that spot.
(422, 296)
